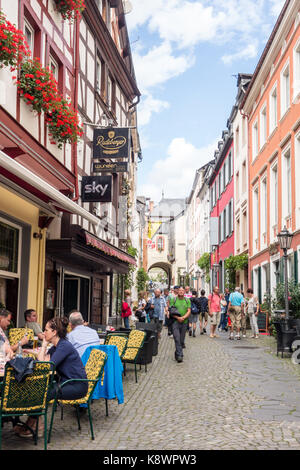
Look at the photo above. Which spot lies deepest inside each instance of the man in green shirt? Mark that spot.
(180, 323)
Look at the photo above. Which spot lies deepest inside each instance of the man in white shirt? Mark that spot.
(81, 336)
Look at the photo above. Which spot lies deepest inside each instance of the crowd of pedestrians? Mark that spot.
(180, 309)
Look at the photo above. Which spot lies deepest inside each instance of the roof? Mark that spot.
(265, 51)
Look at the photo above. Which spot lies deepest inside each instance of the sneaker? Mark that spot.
(256, 337)
(244, 336)
(179, 359)
(231, 336)
(238, 337)
(190, 332)
(201, 333)
(194, 334)
(204, 330)
(183, 346)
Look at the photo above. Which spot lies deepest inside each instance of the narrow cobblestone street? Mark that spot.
(225, 395)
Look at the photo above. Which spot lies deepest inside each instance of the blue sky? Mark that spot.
(186, 53)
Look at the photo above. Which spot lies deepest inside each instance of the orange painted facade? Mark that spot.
(272, 105)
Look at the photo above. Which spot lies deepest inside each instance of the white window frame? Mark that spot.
(31, 31)
(286, 183)
(10, 274)
(274, 192)
(285, 98)
(263, 125)
(255, 142)
(296, 71)
(263, 207)
(53, 63)
(255, 226)
(273, 113)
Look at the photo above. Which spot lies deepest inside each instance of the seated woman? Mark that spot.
(5, 319)
(68, 365)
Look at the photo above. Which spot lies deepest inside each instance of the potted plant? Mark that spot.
(13, 46)
(70, 9)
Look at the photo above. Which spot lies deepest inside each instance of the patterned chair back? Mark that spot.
(94, 368)
(135, 342)
(119, 341)
(29, 395)
(16, 334)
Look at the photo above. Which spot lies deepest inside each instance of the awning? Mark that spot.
(108, 249)
(40, 188)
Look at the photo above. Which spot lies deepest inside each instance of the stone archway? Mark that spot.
(167, 268)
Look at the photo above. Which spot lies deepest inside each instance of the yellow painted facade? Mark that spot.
(22, 210)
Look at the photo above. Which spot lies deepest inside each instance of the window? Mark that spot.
(9, 248)
(220, 183)
(244, 178)
(264, 206)
(237, 186)
(224, 176)
(263, 126)
(99, 75)
(297, 70)
(224, 224)
(29, 35)
(237, 141)
(215, 193)
(254, 140)
(273, 109)
(285, 89)
(274, 192)
(160, 244)
(230, 218)
(287, 183)
(54, 67)
(255, 216)
(99, 4)
(229, 166)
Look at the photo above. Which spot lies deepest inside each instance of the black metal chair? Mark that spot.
(146, 353)
(154, 330)
(285, 337)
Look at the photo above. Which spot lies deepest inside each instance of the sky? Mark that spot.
(186, 55)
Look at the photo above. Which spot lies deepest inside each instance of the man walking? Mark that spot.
(235, 309)
(203, 301)
(214, 311)
(180, 323)
(159, 306)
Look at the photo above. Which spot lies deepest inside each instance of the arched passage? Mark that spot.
(165, 267)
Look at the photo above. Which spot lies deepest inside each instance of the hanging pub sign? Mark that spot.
(118, 167)
(111, 143)
(96, 188)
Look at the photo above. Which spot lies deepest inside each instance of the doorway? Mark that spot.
(77, 295)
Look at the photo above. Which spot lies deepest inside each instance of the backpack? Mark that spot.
(194, 308)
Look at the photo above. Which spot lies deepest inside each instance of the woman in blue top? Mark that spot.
(68, 365)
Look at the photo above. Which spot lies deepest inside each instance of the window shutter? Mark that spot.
(259, 285)
(268, 283)
(296, 266)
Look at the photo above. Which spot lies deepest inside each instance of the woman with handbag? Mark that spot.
(126, 309)
(252, 310)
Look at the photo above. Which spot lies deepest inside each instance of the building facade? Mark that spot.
(272, 108)
(58, 252)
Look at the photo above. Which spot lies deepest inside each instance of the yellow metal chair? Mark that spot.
(119, 341)
(28, 397)
(134, 345)
(94, 370)
(16, 334)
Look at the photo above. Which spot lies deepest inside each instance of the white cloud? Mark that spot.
(175, 174)
(276, 6)
(148, 106)
(159, 65)
(248, 52)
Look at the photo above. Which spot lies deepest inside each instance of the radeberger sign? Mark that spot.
(96, 188)
(111, 142)
(118, 167)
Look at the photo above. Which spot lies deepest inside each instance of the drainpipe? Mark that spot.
(75, 165)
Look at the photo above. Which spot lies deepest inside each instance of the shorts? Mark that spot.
(215, 318)
(193, 318)
(235, 314)
(204, 315)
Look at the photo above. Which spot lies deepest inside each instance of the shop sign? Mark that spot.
(111, 143)
(96, 188)
(108, 167)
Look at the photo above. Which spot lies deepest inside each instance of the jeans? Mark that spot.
(72, 391)
(126, 322)
(179, 331)
(223, 321)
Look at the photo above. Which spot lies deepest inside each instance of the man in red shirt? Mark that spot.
(214, 311)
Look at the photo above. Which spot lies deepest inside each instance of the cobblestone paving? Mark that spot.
(225, 395)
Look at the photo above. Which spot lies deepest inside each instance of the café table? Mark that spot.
(112, 386)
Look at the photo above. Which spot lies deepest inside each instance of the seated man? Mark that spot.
(81, 336)
(31, 323)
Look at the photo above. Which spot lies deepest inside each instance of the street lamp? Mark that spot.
(285, 241)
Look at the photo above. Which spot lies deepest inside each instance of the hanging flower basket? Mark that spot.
(37, 86)
(13, 46)
(70, 9)
(63, 124)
